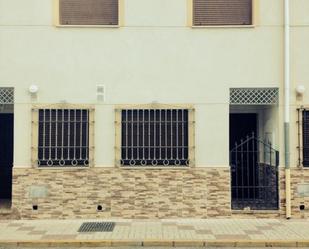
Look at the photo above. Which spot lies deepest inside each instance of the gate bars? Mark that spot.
(254, 175)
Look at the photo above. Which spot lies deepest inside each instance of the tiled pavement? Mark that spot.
(169, 232)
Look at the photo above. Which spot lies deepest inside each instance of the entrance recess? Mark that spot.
(6, 145)
(254, 166)
(6, 157)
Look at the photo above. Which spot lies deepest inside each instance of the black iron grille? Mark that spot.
(306, 138)
(154, 137)
(254, 175)
(63, 137)
(97, 227)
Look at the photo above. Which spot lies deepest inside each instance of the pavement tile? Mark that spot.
(164, 232)
(232, 237)
(182, 227)
(14, 224)
(36, 232)
(264, 227)
(58, 237)
(203, 231)
(251, 232)
(25, 228)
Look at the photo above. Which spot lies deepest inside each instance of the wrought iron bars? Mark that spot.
(254, 175)
(63, 138)
(303, 137)
(154, 137)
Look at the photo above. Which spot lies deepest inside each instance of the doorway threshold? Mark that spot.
(5, 205)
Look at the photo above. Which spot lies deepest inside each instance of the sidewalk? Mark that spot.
(168, 232)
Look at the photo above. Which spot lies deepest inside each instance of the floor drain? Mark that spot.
(97, 227)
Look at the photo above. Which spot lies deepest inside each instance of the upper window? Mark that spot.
(88, 12)
(63, 137)
(155, 137)
(222, 12)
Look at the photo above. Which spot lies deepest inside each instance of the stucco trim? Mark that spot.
(191, 144)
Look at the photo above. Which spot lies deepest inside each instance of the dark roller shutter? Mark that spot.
(306, 138)
(222, 12)
(88, 12)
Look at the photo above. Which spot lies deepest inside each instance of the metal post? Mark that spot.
(287, 106)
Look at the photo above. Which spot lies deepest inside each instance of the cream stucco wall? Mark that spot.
(155, 56)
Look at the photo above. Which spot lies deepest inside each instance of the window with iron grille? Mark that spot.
(155, 137)
(88, 12)
(305, 138)
(222, 12)
(63, 137)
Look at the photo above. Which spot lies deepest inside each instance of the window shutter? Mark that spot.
(88, 12)
(222, 12)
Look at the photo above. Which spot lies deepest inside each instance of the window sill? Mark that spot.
(63, 168)
(223, 26)
(155, 167)
(255, 211)
(86, 26)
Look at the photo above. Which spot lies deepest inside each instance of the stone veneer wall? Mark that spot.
(134, 193)
(298, 175)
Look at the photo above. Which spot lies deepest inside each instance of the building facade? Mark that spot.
(151, 108)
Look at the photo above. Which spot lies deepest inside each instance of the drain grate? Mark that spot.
(97, 227)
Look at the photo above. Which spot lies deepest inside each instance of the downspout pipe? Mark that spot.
(287, 107)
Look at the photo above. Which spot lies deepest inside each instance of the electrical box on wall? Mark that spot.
(303, 189)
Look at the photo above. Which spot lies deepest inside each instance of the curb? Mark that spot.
(164, 243)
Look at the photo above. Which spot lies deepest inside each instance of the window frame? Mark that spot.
(252, 25)
(154, 106)
(35, 133)
(56, 10)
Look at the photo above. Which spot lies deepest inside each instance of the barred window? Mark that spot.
(306, 138)
(88, 12)
(222, 12)
(63, 137)
(154, 137)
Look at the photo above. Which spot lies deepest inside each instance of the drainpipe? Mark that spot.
(287, 107)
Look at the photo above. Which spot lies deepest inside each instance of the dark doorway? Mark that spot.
(241, 126)
(244, 157)
(6, 157)
(254, 166)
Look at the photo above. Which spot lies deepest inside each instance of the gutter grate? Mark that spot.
(97, 227)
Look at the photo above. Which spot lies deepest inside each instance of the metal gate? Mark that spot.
(254, 175)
